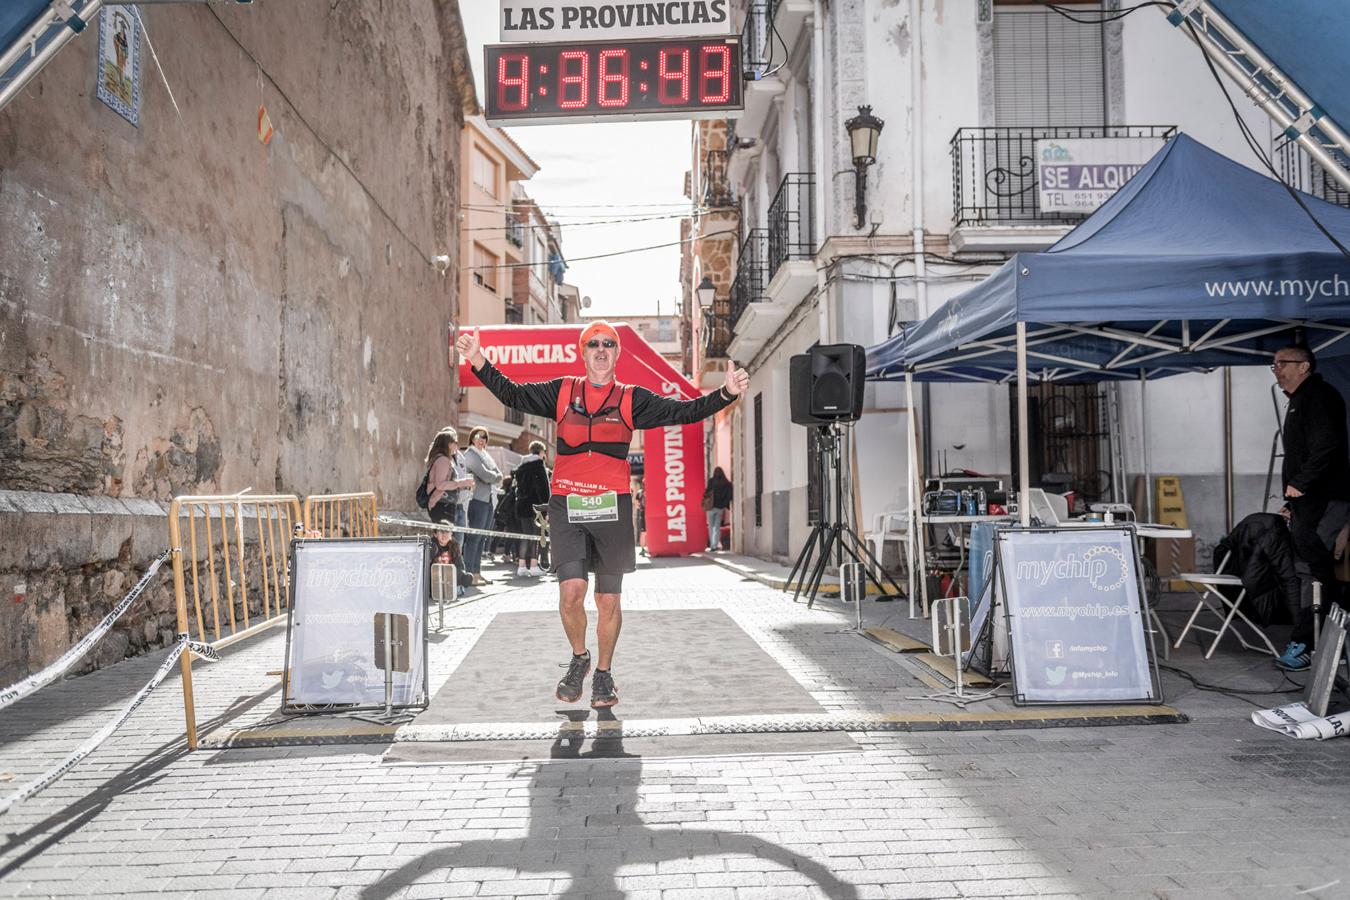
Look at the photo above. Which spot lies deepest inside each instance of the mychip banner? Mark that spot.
(1075, 616)
(339, 588)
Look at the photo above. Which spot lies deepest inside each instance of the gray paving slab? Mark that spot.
(1214, 807)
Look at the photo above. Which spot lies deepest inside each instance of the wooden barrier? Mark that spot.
(239, 573)
(342, 515)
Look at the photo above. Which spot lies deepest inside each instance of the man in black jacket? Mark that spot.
(1316, 470)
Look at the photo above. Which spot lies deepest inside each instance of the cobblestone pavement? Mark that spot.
(1212, 808)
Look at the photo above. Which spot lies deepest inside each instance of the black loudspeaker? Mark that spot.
(826, 384)
(799, 391)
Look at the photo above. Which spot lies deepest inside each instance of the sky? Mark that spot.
(618, 164)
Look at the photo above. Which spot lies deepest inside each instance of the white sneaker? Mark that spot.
(535, 572)
(521, 573)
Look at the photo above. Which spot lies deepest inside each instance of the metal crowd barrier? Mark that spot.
(238, 572)
(342, 515)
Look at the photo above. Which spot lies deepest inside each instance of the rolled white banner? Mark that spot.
(49, 777)
(33, 683)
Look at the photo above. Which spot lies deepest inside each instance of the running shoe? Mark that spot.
(1292, 651)
(520, 572)
(569, 689)
(603, 691)
(535, 572)
(1295, 659)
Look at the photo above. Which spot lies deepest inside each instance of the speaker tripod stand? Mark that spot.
(837, 536)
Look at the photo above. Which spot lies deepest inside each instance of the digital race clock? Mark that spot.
(661, 79)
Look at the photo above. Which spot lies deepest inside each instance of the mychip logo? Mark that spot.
(1101, 566)
(392, 578)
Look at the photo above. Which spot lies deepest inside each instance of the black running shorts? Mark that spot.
(605, 548)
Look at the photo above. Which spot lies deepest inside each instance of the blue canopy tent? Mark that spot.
(1197, 262)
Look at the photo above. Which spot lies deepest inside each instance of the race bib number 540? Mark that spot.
(599, 508)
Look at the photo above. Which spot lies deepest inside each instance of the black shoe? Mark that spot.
(569, 689)
(603, 691)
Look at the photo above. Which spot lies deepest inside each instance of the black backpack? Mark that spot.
(424, 495)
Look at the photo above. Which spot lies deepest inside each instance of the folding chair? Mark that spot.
(890, 525)
(1207, 586)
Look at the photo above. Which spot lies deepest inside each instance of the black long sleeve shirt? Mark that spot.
(1316, 459)
(650, 410)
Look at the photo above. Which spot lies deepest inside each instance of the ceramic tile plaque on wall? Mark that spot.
(119, 62)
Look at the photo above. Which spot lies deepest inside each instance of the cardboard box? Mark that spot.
(1171, 557)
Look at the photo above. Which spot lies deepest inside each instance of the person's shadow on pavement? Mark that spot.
(589, 842)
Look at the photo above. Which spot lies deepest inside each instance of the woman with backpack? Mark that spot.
(532, 489)
(445, 477)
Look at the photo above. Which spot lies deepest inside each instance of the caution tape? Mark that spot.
(16, 692)
(44, 781)
(461, 529)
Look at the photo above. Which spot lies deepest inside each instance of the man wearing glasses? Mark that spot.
(590, 514)
(1316, 470)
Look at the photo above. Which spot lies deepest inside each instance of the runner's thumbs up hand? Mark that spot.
(737, 379)
(470, 347)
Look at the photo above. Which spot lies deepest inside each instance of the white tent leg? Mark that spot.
(916, 527)
(1143, 437)
(909, 477)
(1023, 438)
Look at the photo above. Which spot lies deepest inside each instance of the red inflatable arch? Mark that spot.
(675, 475)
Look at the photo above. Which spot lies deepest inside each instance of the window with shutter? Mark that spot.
(484, 272)
(1047, 69)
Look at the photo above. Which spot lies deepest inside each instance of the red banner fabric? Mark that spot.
(675, 475)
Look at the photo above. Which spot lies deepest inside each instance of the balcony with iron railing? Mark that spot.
(752, 273)
(792, 221)
(771, 30)
(717, 191)
(515, 230)
(755, 312)
(757, 36)
(717, 330)
(995, 181)
(1301, 172)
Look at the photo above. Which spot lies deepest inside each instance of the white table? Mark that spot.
(1143, 529)
(963, 520)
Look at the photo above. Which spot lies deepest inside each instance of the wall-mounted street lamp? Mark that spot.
(707, 292)
(707, 295)
(864, 130)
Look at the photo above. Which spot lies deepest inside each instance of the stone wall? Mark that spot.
(65, 560)
(184, 309)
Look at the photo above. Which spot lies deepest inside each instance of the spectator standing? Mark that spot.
(1315, 471)
(504, 519)
(640, 515)
(716, 504)
(532, 489)
(445, 480)
(485, 474)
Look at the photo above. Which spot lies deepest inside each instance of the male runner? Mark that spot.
(590, 515)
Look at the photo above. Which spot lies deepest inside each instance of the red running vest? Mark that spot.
(592, 446)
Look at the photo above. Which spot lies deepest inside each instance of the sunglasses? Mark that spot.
(596, 345)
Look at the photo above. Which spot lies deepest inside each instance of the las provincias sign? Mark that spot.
(529, 21)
